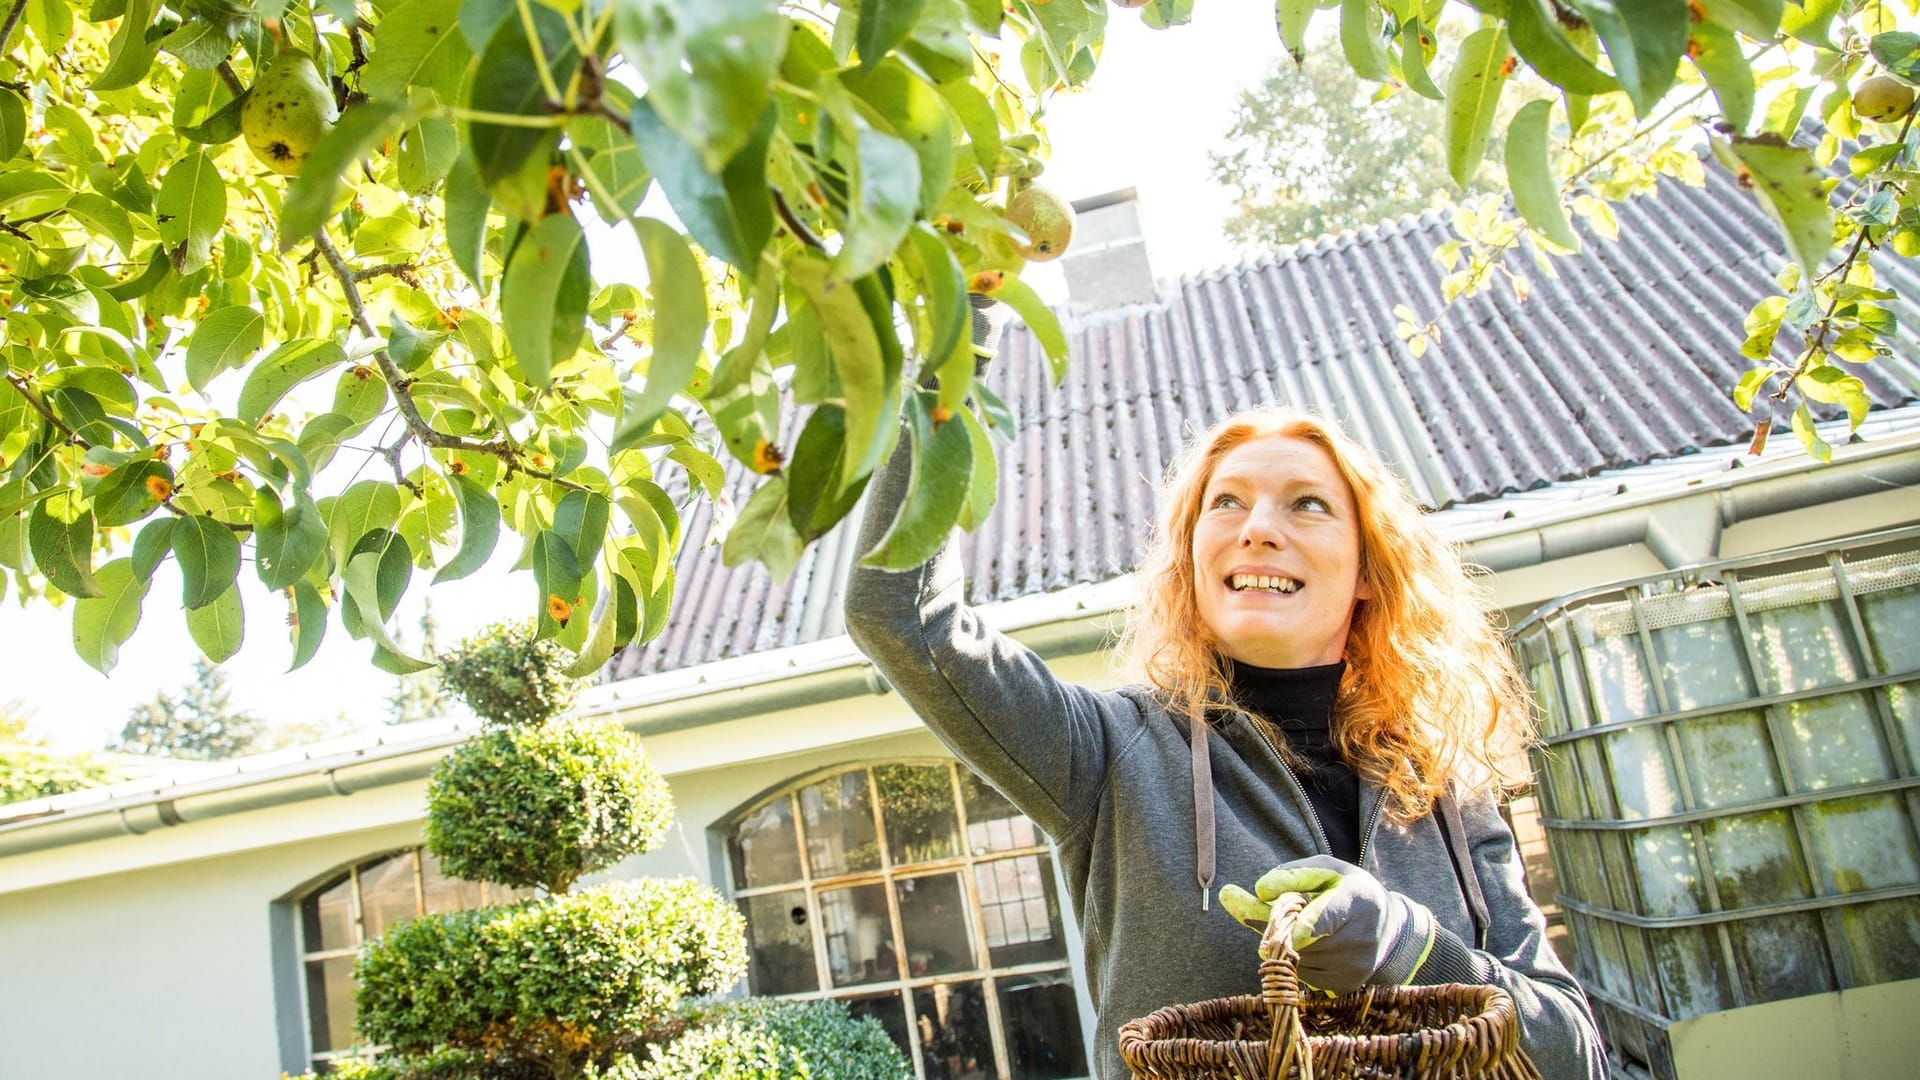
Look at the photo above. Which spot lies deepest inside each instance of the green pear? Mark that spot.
(1046, 218)
(289, 108)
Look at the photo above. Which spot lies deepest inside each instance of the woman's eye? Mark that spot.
(1311, 502)
(1225, 501)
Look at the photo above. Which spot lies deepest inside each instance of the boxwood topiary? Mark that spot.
(506, 677)
(762, 1039)
(542, 805)
(562, 981)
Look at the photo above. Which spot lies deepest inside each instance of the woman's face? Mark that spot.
(1276, 554)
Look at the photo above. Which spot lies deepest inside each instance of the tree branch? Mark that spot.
(19, 383)
(402, 270)
(234, 86)
(13, 20)
(794, 224)
(417, 426)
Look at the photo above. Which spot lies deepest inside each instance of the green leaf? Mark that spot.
(945, 292)
(106, 217)
(1645, 40)
(310, 197)
(225, 339)
(63, 550)
(886, 192)
(219, 625)
(288, 541)
(1546, 48)
(479, 529)
(883, 25)
(1817, 447)
(511, 86)
(557, 571)
(918, 114)
(1413, 60)
(419, 44)
(104, 621)
(361, 609)
(192, 208)
(220, 126)
(1758, 19)
(1899, 52)
(367, 505)
(202, 43)
(152, 545)
(1724, 65)
(611, 167)
(619, 621)
(307, 623)
(730, 214)
(936, 493)
(1360, 28)
(427, 153)
(1473, 98)
(708, 64)
(1809, 22)
(1790, 188)
(1750, 386)
(867, 387)
(466, 204)
(209, 557)
(127, 494)
(1530, 174)
(393, 569)
(984, 487)
(130, 55)
(283, 369)
(749, 353)
(1161, 14)
(1291, 17)
(13, 124)
(544, 296)
(818, 491)
(763, 532)
(679, 298)
(1039, 318)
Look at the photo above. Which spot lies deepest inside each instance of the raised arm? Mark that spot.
(1044, 743)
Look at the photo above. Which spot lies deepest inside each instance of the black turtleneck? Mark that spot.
(1299, 703)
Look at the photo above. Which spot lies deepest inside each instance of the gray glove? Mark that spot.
(1353, 932)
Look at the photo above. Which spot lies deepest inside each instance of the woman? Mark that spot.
(1319, 704)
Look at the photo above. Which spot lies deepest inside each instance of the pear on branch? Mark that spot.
(287, 112)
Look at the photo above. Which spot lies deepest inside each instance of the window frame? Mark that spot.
(966, 863)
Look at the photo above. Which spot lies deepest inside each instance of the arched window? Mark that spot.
(360, 904)
(916, 894)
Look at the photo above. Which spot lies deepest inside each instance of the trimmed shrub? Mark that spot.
(561, 981)
(445, 1065)
(506, 677)
(34, 772)
(542, 805)
(759, 1039)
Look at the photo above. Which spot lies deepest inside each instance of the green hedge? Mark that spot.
(525, 806)
(506, 677)
(33, 772)
(565, 979)
(760, 1039)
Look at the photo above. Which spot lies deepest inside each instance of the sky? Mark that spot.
(1158, 102)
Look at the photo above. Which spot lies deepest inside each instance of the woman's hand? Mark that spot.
(1354, 932)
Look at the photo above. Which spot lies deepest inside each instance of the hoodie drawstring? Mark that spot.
(1202, 808)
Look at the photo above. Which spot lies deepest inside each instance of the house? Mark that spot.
(205, 928)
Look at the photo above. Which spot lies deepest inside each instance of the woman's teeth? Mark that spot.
(1242, 582)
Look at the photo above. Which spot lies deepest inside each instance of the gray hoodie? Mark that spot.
(1111, 777)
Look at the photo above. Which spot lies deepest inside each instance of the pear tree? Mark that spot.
(302, 289)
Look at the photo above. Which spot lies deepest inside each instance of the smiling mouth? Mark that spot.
(1264, 583)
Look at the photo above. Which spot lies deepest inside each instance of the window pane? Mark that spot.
(327, 917)
(992, 822)
(765, 850)
(839, 816)
(889, 1009)
(954, 1040)
(779, 945)
(1020, 910)
(330, 1003)
(859, 935)
(445, 893)
(1043, 1027)
(933, 915)
(916, 807)
(388, 894)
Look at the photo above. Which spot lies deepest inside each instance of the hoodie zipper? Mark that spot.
(1319, 830)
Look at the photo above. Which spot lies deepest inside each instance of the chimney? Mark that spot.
(1106, 265)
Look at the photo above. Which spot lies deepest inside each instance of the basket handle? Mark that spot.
(1280, 991)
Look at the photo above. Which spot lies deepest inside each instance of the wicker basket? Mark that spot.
(1413, 1032)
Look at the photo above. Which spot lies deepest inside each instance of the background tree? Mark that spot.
(416, 695)
(30, 769)
(301, 288)
(1305, 155)
(198, 722)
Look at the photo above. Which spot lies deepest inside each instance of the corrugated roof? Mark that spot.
(1626, 355)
